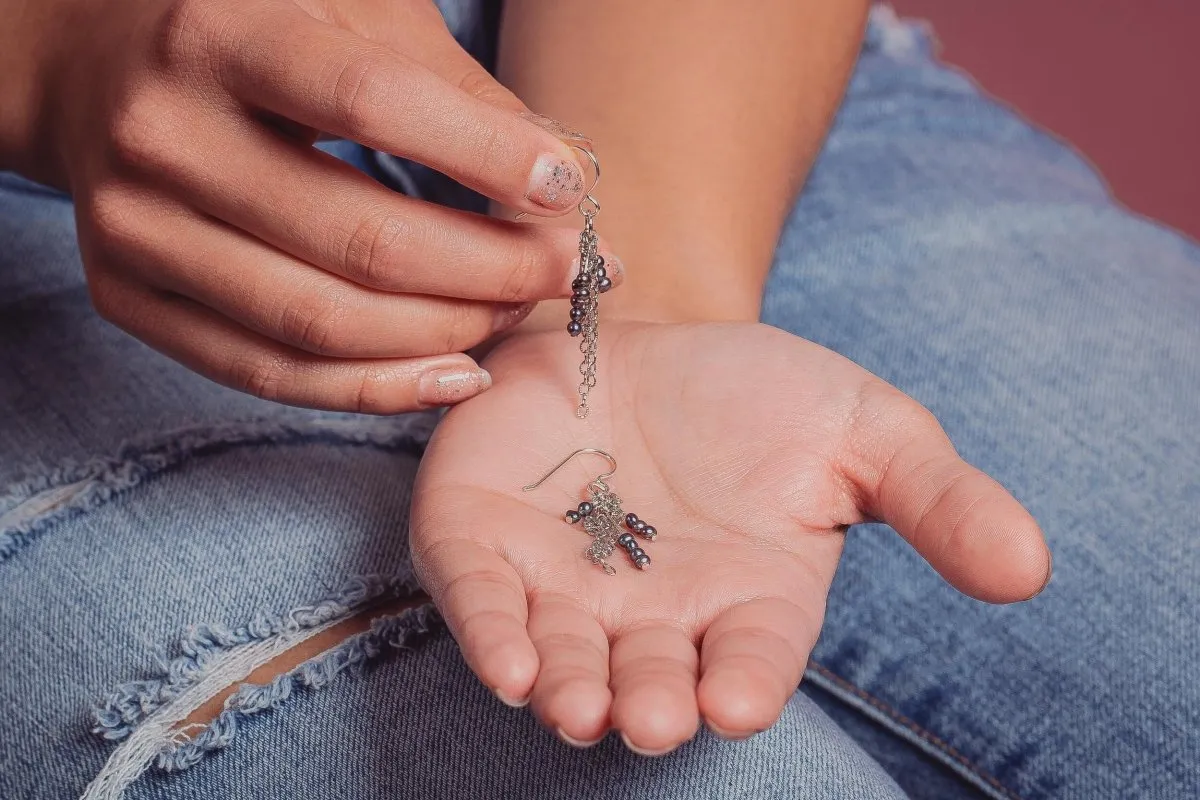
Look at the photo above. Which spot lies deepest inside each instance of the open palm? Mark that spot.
(750, 451)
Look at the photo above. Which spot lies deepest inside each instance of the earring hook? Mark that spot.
(563, 463)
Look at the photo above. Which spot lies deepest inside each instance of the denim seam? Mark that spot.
(909, 729)
(100, 480)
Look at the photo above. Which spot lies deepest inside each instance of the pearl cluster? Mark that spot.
(636, 554)
(583, 287)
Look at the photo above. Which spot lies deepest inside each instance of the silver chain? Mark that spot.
(590, 343)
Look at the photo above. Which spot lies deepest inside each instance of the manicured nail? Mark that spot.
(439, 387)
(613, 268)
(577, 742)
(556, 183)
(733, 737)
(642, 752)
(1049, 569)
(510, 314)
(508, 701)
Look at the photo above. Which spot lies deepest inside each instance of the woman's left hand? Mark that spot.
(751, 451)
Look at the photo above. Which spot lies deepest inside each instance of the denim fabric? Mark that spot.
(159, 535)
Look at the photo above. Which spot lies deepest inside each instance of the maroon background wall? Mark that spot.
(1119, 79)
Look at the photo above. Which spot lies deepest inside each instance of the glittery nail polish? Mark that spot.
(444, 385)
(556, 183)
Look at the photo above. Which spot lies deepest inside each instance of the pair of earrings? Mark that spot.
(604, 520)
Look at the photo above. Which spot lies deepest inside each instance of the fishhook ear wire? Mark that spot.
(563, 463)
(588, 213)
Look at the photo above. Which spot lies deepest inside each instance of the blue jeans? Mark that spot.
(160, 537)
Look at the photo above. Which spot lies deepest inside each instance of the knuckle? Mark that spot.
(371, 393)
(113, 220)
(380, 240)
(189, 30)
(362, 85)
(141, 131)
(526, 273)
(262, 377)
(316, 322)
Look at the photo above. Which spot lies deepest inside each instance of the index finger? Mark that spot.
(327, 78)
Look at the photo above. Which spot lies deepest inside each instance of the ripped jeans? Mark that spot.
(161, 538)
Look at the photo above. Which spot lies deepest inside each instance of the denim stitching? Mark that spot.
(932, 739)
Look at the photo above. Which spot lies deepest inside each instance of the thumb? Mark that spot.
(964, 523)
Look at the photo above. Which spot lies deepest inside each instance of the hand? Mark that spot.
(213, 230)
(751, 451)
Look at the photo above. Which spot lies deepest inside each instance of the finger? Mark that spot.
(483, 602)
(324, 212)
(960, 520)
(419, 31)
(223, 351)
(751, 662)
(269, 292)
(654, 670)
(571, 695)
(327, 78)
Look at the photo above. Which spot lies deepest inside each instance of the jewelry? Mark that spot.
(603, 518)
(589, 284)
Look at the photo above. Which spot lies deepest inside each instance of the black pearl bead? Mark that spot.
(578, 301)
(649, 531)
(638, 526)
(578, 313)
(625, 540)
(636, 553)
(604, 285)
(583, 294)
(643, 562)
(601, 272)
(585, 508)
(630, 519)
(572, 516)
(574, 328)
(579, 283)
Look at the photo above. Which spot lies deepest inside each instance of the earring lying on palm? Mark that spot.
(604, 520)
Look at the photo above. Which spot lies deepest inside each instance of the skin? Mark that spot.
(183, 130)
(749, 449)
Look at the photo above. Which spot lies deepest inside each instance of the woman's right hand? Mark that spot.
(214, 231)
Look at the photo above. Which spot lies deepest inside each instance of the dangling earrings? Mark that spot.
(603, 517)
(589, 284)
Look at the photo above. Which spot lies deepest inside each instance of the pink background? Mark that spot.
(1119, 79)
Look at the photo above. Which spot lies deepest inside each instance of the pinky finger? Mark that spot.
(223, 351)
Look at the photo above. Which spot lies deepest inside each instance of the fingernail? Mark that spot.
(577, 742)
(554, 127)
(556, 183)
(508, 701)
(447, 385)
(733, 737)
(510, 314)
(643, 752)
(1049, 569)
(613, 268)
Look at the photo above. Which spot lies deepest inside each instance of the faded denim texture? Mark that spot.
(160, 535)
